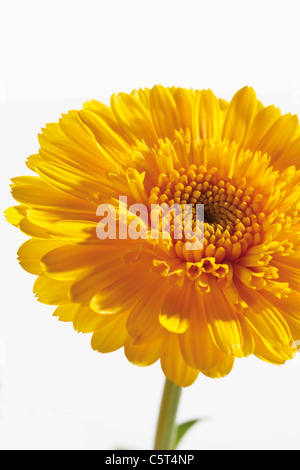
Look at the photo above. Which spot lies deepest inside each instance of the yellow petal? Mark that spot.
(67, 261)
(104, 281)
(134, 118)
(45, 218)
(27, 180)
(144, 354)
(39, 195)
(228, 328)
(102, 131)
(58, 148)
(164, 112)
(65, 312)
(174, 366)
(86, 320)
(262, 123)
(74, 231)
(289, 307)
(176, 310)
(239, 116)
(112, 335)
(269, 353)
(143, 323)
(104, 112)
(32, 161)
(279, 137)
(222, 368)
(206, 123)
(51, 292)
(197, 346)
(31, 253)
(184, 100)
(264, 317)
(15, 214)
(74, 129)
(120, 294)
(33, 230)
(249, 277)
(89, 283)
(75, 183)
(289, 157)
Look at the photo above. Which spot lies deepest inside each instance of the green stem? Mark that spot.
(165, 432)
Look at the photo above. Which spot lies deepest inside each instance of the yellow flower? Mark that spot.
(194, 310)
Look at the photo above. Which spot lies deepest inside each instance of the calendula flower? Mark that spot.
(194, 310)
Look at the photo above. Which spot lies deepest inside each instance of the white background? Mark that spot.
(56, 393)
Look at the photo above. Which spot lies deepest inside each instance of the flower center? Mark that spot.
(232, 210)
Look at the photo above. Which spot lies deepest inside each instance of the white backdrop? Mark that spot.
(56, 393)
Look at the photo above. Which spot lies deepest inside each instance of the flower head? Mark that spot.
(195, 310)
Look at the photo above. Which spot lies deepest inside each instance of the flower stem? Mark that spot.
(166, 429)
